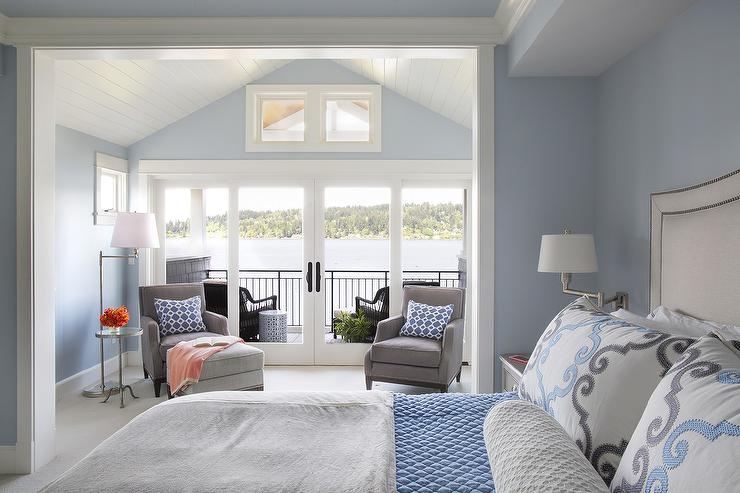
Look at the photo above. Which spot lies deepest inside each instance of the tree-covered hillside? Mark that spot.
(420, 221)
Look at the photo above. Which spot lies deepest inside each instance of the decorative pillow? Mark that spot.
(179, 316)
(692, 326)
(642, 321)
(689, 436)
(660, 324)
(426, 320)
(594, 373)
(529, 452)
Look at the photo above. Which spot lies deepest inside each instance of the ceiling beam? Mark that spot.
(266, 53)
(264, 31)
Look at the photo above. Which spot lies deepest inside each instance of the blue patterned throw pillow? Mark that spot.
(426, 320)
(688, 438)
(179, 316)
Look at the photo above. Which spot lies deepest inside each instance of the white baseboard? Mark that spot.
(75, 383)
(133, 358)
(7, 459)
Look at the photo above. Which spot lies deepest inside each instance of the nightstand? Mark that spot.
(512, 372)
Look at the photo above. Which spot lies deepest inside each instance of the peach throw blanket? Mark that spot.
(185, 361)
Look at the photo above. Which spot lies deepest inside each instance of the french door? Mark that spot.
(353, 256)
(313, 248)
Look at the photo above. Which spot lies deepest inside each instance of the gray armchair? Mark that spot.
(153, 347)
(417, 360)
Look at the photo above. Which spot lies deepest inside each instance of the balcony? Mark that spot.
(341, 286)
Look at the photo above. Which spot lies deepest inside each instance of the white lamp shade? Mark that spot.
(568, 253)
(135, 230)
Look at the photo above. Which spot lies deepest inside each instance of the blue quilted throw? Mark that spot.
(439, 442)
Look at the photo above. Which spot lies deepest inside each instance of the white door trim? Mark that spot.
(35, 432)
(482, 281)
(24, 259)
(107, 36)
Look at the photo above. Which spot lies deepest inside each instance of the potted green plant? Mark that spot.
(353, 327)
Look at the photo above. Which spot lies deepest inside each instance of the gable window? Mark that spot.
(346, 119)
(283, 120)
(110, 187)
(313, 118)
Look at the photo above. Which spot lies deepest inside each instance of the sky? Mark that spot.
(177, 200)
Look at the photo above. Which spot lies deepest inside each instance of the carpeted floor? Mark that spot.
(83, 423)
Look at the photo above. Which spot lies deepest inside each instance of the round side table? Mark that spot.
(119, 334)
(273, 326)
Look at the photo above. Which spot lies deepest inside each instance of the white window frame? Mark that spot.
(107, 165)
(315, 96)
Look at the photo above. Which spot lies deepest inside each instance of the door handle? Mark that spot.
(318, 277)
(309, 276)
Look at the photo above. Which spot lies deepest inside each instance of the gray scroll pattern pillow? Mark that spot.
(594, 374)
(689, 436)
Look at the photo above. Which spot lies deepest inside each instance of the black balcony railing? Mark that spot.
(340, 286)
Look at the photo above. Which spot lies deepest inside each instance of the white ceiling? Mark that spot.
(444, 86)
(586, 37)
(124, 101)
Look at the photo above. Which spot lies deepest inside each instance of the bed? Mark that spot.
(287, 441)
(382, 442)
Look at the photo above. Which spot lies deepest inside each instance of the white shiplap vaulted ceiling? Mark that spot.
(443, 85)
(124, 101)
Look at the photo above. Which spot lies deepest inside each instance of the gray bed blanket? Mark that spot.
(248, 441)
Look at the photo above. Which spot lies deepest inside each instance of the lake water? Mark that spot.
(340, 254)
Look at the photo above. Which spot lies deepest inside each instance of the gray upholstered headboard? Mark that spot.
(695, 249)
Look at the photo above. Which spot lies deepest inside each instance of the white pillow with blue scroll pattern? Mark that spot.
(426, 320)
(179, 316)
(688, 439)
(594, 373)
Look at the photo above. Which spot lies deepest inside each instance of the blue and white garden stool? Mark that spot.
(273, 326)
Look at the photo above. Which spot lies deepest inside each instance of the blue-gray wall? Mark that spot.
(8, 325)
(545, 170)
(78, 241)
(410, 131)
(669, 116)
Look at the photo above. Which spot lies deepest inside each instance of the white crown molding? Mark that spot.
(510, 13)
(285, 31)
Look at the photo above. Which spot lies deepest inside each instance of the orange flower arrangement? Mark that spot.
(114, 317)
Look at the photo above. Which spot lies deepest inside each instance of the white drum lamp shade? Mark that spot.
(135, 230)
(568, 253)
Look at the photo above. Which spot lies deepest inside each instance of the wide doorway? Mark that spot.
(305, 268)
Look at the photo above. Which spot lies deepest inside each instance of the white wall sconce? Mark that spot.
(569, 254)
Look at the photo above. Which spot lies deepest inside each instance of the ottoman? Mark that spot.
(273, 326)
(238, 367)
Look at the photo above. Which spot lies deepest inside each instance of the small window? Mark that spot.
(283, 120)
(347, 120)
(110, 188)
(313, 118)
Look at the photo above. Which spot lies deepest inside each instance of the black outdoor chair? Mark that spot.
(249, 313)
(375, 310)
(249, 308)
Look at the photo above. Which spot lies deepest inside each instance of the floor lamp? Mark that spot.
(132, 230)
